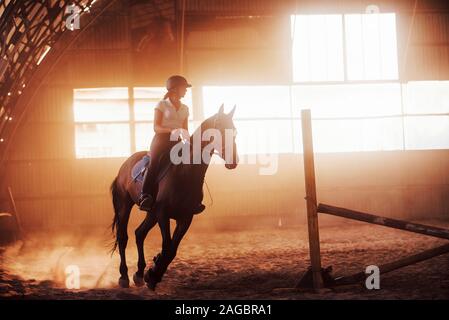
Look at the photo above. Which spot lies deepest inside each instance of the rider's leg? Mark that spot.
(161, 143)
(146, 198)
(158, 146)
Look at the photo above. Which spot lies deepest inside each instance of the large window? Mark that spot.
(352, 117)
(317, 48)
(426, 104)
(344, 47)
(145, 100)
(371, 46)
(263, 116)
(346, 117)
(345, 70)
(101, 122)
(110, 123)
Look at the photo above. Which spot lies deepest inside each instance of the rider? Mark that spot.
(170, 114)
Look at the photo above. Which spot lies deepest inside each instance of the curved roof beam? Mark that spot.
(36, 37)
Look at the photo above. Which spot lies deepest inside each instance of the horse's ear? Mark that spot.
(221, 110)
(231, 114)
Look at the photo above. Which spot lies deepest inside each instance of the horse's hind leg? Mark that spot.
(122, 239)
(141, 233)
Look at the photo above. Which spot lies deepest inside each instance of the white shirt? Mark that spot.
(170, 117)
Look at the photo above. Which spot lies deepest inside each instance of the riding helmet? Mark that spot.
(176, 81)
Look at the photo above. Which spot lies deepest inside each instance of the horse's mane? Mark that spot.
(207, 124)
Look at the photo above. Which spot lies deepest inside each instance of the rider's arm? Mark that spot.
(185, 132)
(158, 128)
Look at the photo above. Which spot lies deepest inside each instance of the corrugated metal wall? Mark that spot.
(239, 50)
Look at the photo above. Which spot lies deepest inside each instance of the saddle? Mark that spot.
(138, 171)
(139, 168)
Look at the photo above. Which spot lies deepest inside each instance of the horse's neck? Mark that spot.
(196, 137)
(193, 174)
(198, 170)
(206, 124)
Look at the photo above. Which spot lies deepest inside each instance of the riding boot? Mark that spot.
(146, 199)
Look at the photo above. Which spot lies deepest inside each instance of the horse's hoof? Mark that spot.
(146, 276)
(138, 281)
(123, 282)
(149, 275)
(150, 280)
(152, 284)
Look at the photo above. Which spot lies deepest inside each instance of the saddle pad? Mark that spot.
(139, 168)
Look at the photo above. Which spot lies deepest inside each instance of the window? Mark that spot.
(355, 115)
(263, 116)
(351, 117)
(371, 46)
(101, 122)
(427, 97)
(102, 140)
(145, 100)
(426, 104)
(317, 48)
(426, 132)
(348, 100)
(251, 101)
(104, 125)
(325, 47)
(347, 117)
(354, 135)
(264, 136)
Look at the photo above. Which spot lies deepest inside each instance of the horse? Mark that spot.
(180, 190)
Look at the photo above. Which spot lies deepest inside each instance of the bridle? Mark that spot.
(222, 148)
(215, 151)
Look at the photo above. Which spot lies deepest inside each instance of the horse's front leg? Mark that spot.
(180, 231)
(154, 275)
(141, 233)
(169, 249)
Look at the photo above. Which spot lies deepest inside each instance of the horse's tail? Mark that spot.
(116, 219)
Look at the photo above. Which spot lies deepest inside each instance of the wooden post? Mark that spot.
(383, 221)
(388, 267)
(312, 216)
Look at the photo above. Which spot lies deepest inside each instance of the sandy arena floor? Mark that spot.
(256, 264)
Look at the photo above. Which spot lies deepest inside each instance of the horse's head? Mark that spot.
(225, 125)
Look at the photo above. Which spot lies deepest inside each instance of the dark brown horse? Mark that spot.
(180, 192)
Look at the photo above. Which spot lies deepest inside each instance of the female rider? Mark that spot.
(170, 114)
